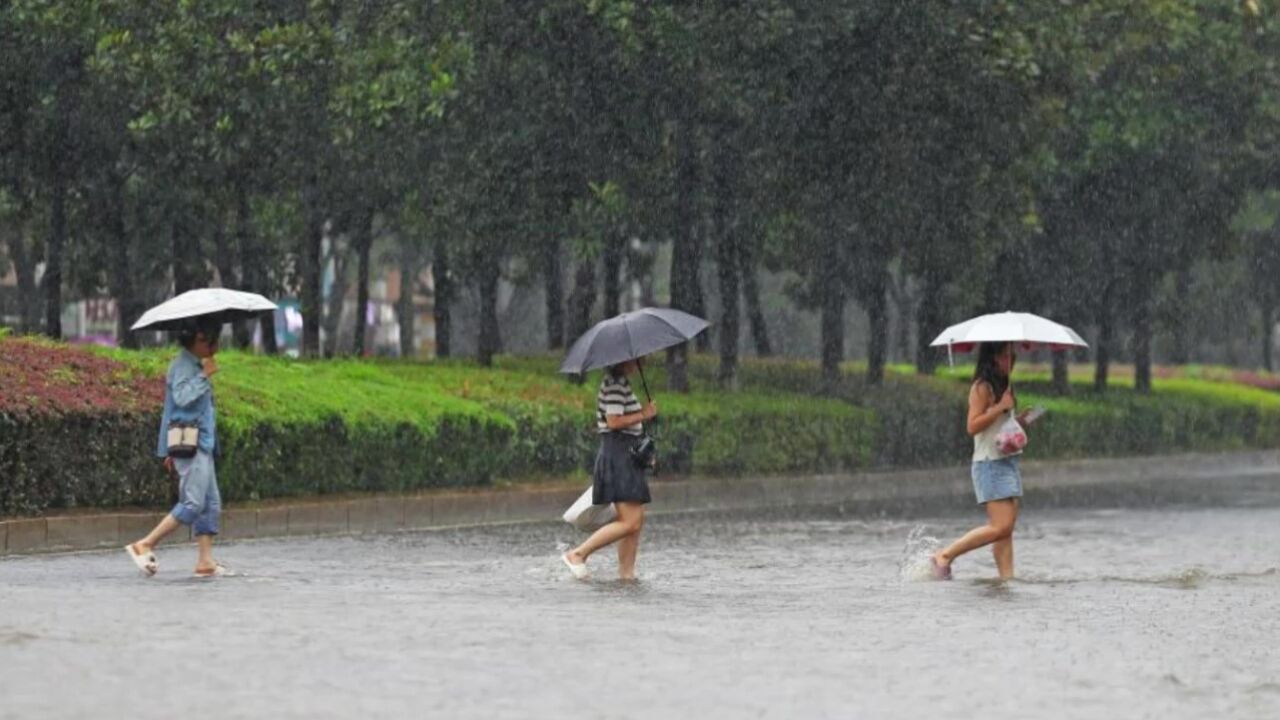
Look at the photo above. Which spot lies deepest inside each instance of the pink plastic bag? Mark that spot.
(1011, 438)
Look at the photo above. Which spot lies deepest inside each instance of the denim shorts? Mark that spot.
(996, 479)
(199, 502)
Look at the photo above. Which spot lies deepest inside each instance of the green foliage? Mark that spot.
(290, 428)
(920, 420)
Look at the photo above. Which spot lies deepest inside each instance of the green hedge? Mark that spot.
(921, 419)
(79, 460)
(292, 428)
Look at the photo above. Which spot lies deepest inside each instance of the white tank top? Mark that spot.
(984, 443)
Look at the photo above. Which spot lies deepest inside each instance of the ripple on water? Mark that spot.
(16, 638)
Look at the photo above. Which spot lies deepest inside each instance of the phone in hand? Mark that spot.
(1034, 414)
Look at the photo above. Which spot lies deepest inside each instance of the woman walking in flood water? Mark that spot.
(188, 442)
(617, 477)
(997, 480)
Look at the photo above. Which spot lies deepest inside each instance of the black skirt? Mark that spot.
(615, 477)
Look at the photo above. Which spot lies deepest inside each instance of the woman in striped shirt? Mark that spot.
(616, 478)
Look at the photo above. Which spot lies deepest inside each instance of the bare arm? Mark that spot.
(984, 411)
(619, 422)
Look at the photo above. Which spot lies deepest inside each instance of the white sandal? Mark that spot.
(147, 563)
(219, 570)
(579, 570)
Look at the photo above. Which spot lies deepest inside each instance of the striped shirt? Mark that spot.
(616, 398)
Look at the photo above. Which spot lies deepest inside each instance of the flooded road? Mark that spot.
(1137, 612)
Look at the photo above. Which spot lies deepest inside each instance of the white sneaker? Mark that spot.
(579, 570)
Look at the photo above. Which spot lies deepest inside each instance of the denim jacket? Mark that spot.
(188, 397)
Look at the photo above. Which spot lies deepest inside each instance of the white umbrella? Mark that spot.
(1023, 329)
(220, 303)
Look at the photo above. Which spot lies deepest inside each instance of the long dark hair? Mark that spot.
(987, 372)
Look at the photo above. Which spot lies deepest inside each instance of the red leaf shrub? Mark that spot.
(41, 378)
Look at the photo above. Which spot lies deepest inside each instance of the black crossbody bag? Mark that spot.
(644, 452)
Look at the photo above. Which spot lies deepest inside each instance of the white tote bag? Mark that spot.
(587, 517)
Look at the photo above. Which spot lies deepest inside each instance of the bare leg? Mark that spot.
(1002, 550)
(161, 531)
(1002, 515)
(204, 559)
(628, 549)
(630, 520)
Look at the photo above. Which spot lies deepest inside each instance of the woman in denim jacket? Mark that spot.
(189, 399)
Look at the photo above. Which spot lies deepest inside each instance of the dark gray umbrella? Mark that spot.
(629, 336)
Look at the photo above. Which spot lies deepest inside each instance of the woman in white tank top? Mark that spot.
(997, 481)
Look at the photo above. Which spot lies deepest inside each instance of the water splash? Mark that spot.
(1190, 579)
(915, 565)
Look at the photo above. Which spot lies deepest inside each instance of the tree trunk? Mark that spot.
(443, 305)
(490, 341)
(1061, 373)
(876, 301)
(553, 285)
(188, 265)
(312, 288)
(24, 267)
(225, 253)
(686, 292)
(234, 265)
(928, 320)
(406, 311)
(1268, 336)
(364, 246)
(1102, 351)
(751, 294)
(250, 272)
(730, 312)
(128, 306)
(53, 257)
(258, 277)
(20, 250)
(267, 326)
(703, 340)
(900, 290)
(1142, 345)
(337, 300)
(1181, 330)
(832, 322)
(260, 280)
(582, 298)
(612, 262)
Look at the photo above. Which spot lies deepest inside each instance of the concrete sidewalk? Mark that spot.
(872, 492)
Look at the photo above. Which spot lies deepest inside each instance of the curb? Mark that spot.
(869, 492)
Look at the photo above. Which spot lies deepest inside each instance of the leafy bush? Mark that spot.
(79, 427)
(921, 419)
(291, 428)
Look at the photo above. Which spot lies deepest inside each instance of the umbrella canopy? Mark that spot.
(216, 303)
(1024, 329)
(630, 336)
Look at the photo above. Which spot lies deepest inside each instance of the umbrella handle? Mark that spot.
(645, 384)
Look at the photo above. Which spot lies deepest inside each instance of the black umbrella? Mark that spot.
(630, 336)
